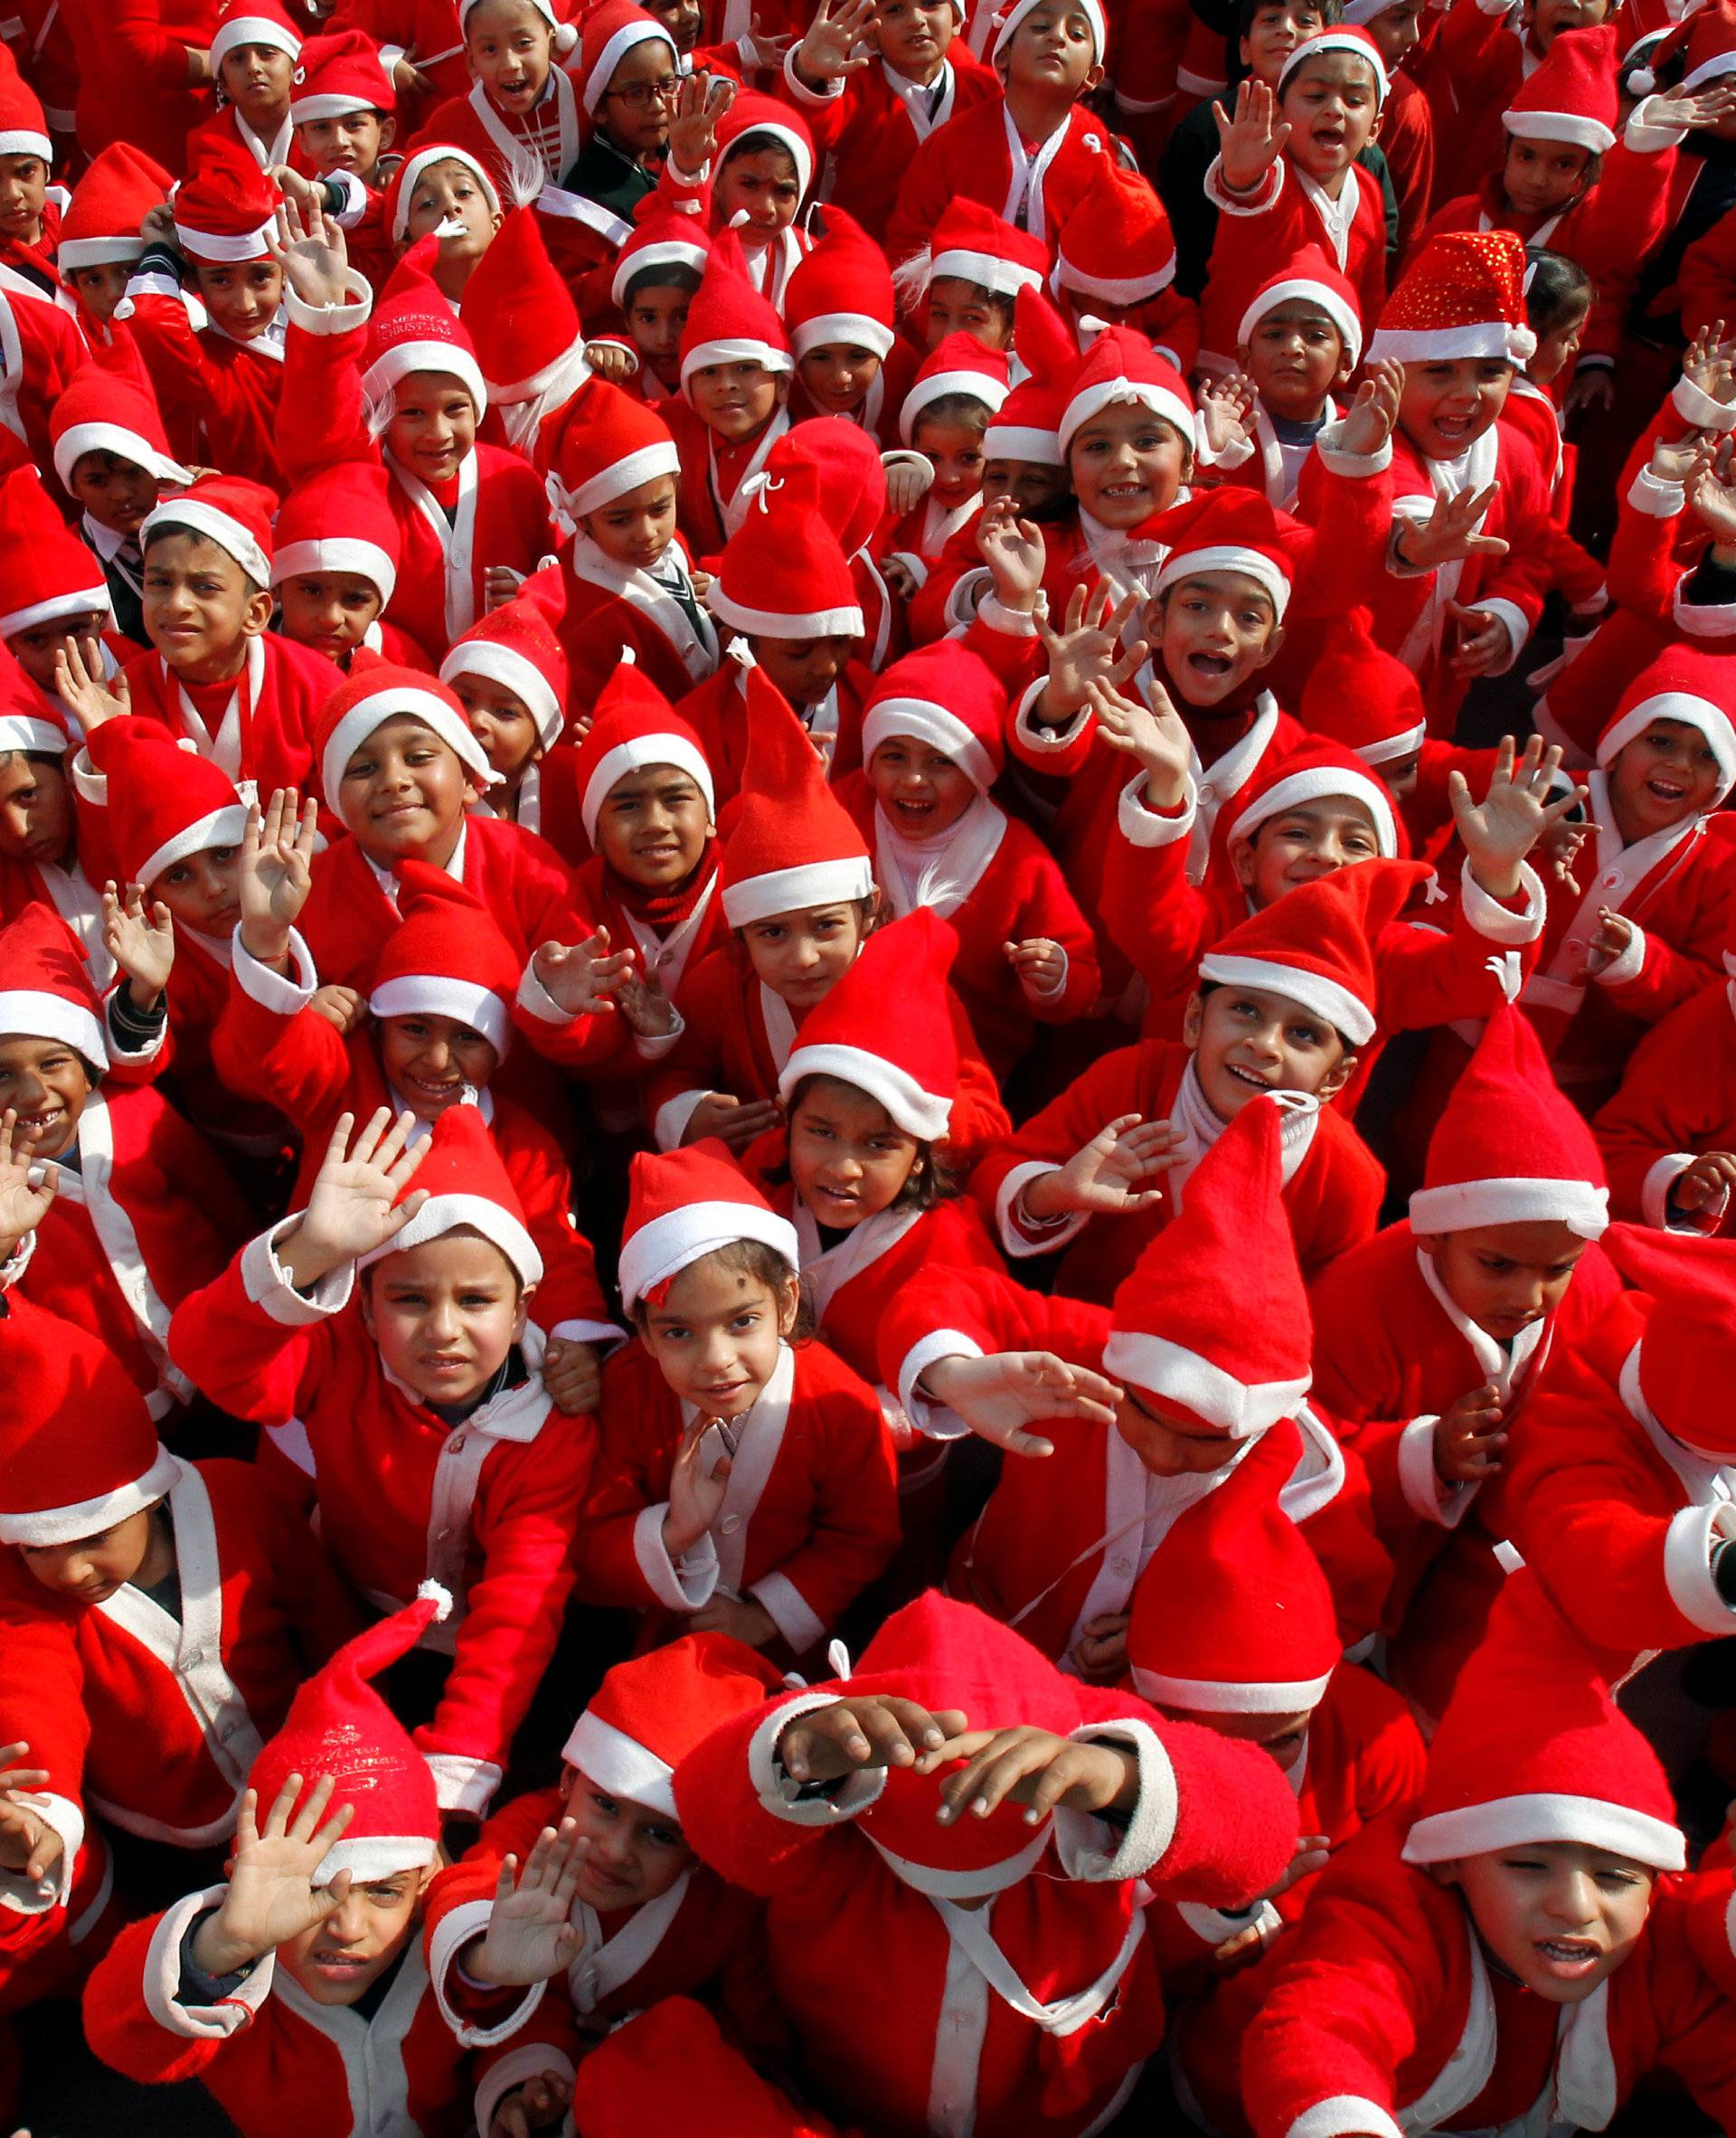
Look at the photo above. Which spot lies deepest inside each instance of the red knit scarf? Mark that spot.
(663, 910)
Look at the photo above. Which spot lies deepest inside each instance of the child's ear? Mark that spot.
(789, 1306)
(257, 616)
(782, 381)
(388, 134)
(1444, 1874)
(1345, 373)
(1241, 859)
(1272, 646)
(523, 1315)
(1193, 1020)
(1335, 1078)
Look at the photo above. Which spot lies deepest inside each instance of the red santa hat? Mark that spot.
(1115, 245)
(971, 243)
(1234, 1616)
(945, 696)
(225, 208)
(663, 237)
(1311, 772)
(79, 1451)
(1012, 15)
(1689, 1347)
(120, 186)
(227, 509)
(565, 36)
(376, 691)
(1232, 529)
(958, 364)
(1533, 1749)
(1349, 37)
(1315, 945)
(23, 128)
(252, 22)
(848, 470)
(1506, 1105)
(1572, 96)
(611, 443)
(45, 991)
(688, 1203)
(516, 647)
(525, 328)
(413, 328)
(633, 725)
(337, 1725)
(1707, 35)
(651, 1711)
(886, 1027)
(755, 113)
(110, 407)
(45, 570)
(1308, 277)
(353, 496)
(842, 291)
(27, 719)
(1685, 683)
(340, 73)
(729, 322)
(1463, 294)
(409, 175)
(782, 572)
(1184, 1326)
(165, 802)
(447, 959)
(1027, 425)
(793, 844)
(1122, 367)
(671, 2070)
(467, 1185)
(611, 31)
(1361, 696)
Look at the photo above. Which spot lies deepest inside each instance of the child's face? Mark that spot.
(1333, 108)
(1505, 1277)
(1398, 775)
(1250, 1040)
(1274, 34)
(501, 721)
(956, 452)
(763, 184)
(509, 48)
(339, 1961)
(682, 19)
(848, 1159)
(1548, 18)
(655, 316)
(242, 298)
(430, 1060)
(36, 818)
(257, 80)
(46, 1085)
(1395, 30)
(99, 289)
(1661, 779)
(635, 108)
(118, 494)
(634, 1853)
(1295, 357)
(1445, 406)
(350, 141)
(638, 526)
(1213, 633)
(24, 189)
(653, 826)
(1558, 348)
(450, 192)
(1301, 844)
(1560, 1916)
(1031, 484)
(913, 36)
(90, 1569)
(200, 607)
(958, 306)
(1170, 1441)
(716, 1335)
(34, 649)
(735, 400)
(1126, 464)
(433, 426)
(1054, 50)
(1540, 177)
(1280, 1736)
(802, 954)
(839, 375)
(404, 791)
(329, 610)
(203, 892)
(444, 1315)
(804, 669)
(922, 792)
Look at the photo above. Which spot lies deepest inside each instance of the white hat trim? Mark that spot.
(739, 349)
(922, 1114)
(221, 250)
(643, 465)
(988, 271)
(1313, 784)
(838, 882)
(437, 152)
(590, 93)
(1128, 290)
(329, 104)
(1722, 62)
(812, 623)
(637, 756)
(665, 252)
(1529, 1822)
(925, 722)
(1299, 290)
(1685, 706)
(668, 1244)
(1159, 400)
(445, 995)
(564, 374)
(1240, 1409)
(114, 437)
(620, 1764)
(1335, 41)
(1464, 1205)
(859, 330)
(445, 1213)
(18, 731)
(371, 1858)
(1393, 746)
(925, 392)
(495, 663)
(34, 1012)
(974, 1883)
(252, 29)
(337, 553)
(218, 827)
(210, 520)
(83, 252)
(24, 142)
(1020, 441)
(1215, 1695)
(89, 1518)
(408, 704)
(1571, 126)
(1016, 14)
(1327, 999)
(1228, 557)
(403, 360)
(787, 138)
(73, 604)
(1493, 338)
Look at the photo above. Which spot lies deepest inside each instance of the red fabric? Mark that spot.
(1254, 245)
(218, 398)
(277, 743)
(1677, 1099)
(968, 159)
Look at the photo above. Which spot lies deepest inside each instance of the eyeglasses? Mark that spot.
(638, 95)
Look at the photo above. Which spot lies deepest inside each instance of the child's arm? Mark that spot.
(577, 1008)
(816, 74)
(44, 1736)
(1160, 921)
(686, 1097)
(1664, 1136)
(189, 389)
(327, 304)
(1050, 942)
(1248, 175)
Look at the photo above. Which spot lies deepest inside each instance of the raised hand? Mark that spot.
(24, 1202)
(540, 2103)
(1035, 1768)
(354, 1207)
(141, 943)
(1154, 734)
(581, 979)
(1711, 493)
(910, 476)
(1469, 1437)
(1450, 531)
(696, 1488)
(1484, 640)
(531, 1934)
(276, 872)
(271, 1896)
(1225, 404)
(1610, 939)
(1690, 114)
(828, 1743)
(1375, 409)
(311, 253)
(81, 688)
(1087, 649)
(998, 1396)
(1104, 1174)
(700, 105)
(1013, 549)
(828, 51)
(1705, 1185)
(1250, 140)
(409, 80)
(1498, 833)
(735, 1121)
(342, 1007)
(613, 361)
(645, 1005)
(29, 1845)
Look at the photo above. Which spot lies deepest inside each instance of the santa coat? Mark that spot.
(1408, 143)
(69, 892)
(428, 28)
(1063, 1541)
(1332, 1189)
(1707, 283)
(666, 957)
(261, 1606)
(978, 156)
(49, 1942)
(1476, 67)
(1677, 1100)
(711, 502)
(40, 348)
(261, 732)
(219, 397)
(546, 801)
(615, 609)
(1258, 233)
(131, 63)
(717, 711)
(487, 1507)
(1578, 572)
(1031, 2013)
(272, 2058)
(809, 1515)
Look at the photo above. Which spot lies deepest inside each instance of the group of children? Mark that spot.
(862, 1258)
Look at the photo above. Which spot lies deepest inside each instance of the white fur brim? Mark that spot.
(1240, 1409)
(337, 553)
(445, 1213)
(620, 1764)
(34, 1012)
(842, 881)
(664, 1248)
(1315, 783)
(444, 995)
(407, 704)
(45, 1526)
(926, 1115)
(1529, 1822)
(510, 670)
(1316, 991)
(925, 722)
(1463, 1206)
(221, 827)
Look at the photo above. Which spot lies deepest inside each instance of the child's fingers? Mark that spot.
(308, 1812)
(276, 1819)
(505, 1882)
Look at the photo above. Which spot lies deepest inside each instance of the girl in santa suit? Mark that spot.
(1014, 1987)
(954, 398)
(1435, 1340)
(839, 313)
(655, 274)
(764, 169)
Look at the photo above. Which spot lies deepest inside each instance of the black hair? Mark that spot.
(752, 1259)
(664, 275)
(931, 1179)
(1556, 288)
(963, 409)
(160, 528)
(759, 141)
(54, 757)
(1331, 13)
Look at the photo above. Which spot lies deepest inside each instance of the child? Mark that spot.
(1407, 118)
(1474, 72)
(968, 278)
(1557, 303)
(960, 386)
(334, 559)
(656, 273)
(1299, 342)
(30, 209)
(39, 828)
(764, 169)
(510, 674)
(521, 105)
(443, 193)
(254, 55)
(743, 1484)
(529, 341)
(55, 594)
(432, 1373)
(1115, 263)
(344, 111)
(839, 315)
(1667, 1133)
(100, 233)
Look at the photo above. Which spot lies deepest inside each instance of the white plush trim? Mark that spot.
(461, 1784)
(1697, 408)
(404, 701)
(1345, 2113)
(1138, 1851)
(529, 2061)
(1300, 289)
(862, 1788)
(1490, 918)
(939, 1343)
(1517, 625)
(1655, 498)
(619, 477)
(1463, 1206)
(218, 827)
(337, 553)
(1426, 1494)
(1240, 1409)
(1022, 441)
(271, 990)
(1013, 623)
(39, 1015)
(926, 1115)
(1692, 710)
(859, 330)
(88, 252)
(684, 1586)
(1491, 338)
(1316, 991)
(210, 520)
(424, 159)
(1513, 1822)
(665, 252)
(602, 68)
(789, 1612)
(664, 1248)
(252, 29)
(1630, 962)
(449, 1935)
(330, 104)
(1142, 825)
(19, 731)
(101, 1510)
(1225, 1696)
(1006, 24)
(841, 622)
(1265, 195)
(79, 439)
(972, 1884)
(988, 270)
(838, 881)
(93, 599)
(673, 1117)
(344, 317)
(1571, 126)
(621, 1766)
(267, 1286)
(435, 994)
(1319, 783)
(991, 392)
(1687, 1565)
(161, 1978)
(1336, 39)
(638, 754)
(402, 360)
(1111, 290)
(1661, 1176)
(217, 248)
(1168, 407)
(445, 1214)
(734, 349)
(1022, 1235)
(924, 721)
(1266, 571)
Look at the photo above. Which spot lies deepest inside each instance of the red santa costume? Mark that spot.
(343, 74)
(305, 545)
(51, 579)
(272, 2056)
(487, 1505)
(841, 292)
(1116, 254)
(1038, 2009)
(671, 2065)
(1677, 1101)
(529, 339)
(62, 886)
(117, 191)
(249, 22)
(1407, 133)
(667, 235)
(1280, 464)
(853, 503)
(809, 1516)
(958, 367)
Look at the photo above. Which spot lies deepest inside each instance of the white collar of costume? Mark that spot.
(456, 536)
(1494, 1362)
(759, 1436)
(938, 872)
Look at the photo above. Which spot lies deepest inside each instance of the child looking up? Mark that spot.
(1298, 345)
(443, 193)
(521, 103)
(656, 273)
(839, 313)
(510, 674)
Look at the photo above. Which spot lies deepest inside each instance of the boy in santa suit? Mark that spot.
(1116, 262)
(1197, 1384)
(1432, 1340)
(1298, 342)
(335, 552)
(56, 594)
(31, 207)
(760, 155)
(1516, 1951)
(99, 234)
(744, 1483)
(254, 52)
(1407, 119)
(296, 1990)
(954, 398)
(1669, 1132)
(344, 112)
(523, 101)
(840, 315)
(968, 277)
(39, 825)
(432, 1372)
(443, 193)
(998, 1827)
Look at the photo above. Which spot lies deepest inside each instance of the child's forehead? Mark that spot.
(1299, 311)
(1322, 810)
(399, 728)
(1337, 67)
(645, 776)
(503, 15)
(20, 1049)
(172, 542)
(1230, 586)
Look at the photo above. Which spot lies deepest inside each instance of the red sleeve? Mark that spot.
(190, 388)
(1159, 922)
(120, 2026)
(322, 371)
(635, 1443)
(1427, 976)
(979, 1113)
(235, 1350)
(1671, 1105)
(1706, 280)
(299, 1062)
(1048, 908)
(987, 1312)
